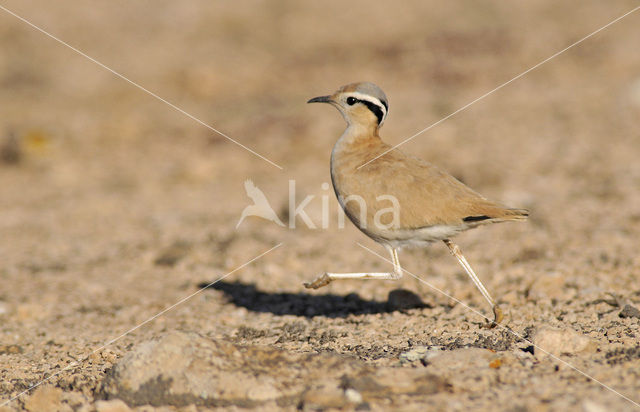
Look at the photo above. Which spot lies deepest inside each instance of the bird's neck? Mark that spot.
(355, 140)
(358, 133)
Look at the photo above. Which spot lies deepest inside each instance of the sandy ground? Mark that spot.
(114, 206)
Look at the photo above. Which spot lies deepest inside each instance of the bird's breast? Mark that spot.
(363, 193)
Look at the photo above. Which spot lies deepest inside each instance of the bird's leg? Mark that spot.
(397, 269)
(327, 277)
(455, 251)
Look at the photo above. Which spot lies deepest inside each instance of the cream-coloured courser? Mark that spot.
(432, 205)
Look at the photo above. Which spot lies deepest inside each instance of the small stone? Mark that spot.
(353, 395)
(45, 399)
(629, 311)
(423, 353)
(414, 354)
(591, 406)
(10, 349)
(559, 342)
(115, 405)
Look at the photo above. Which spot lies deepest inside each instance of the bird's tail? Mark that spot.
(515, 214)
(495, 214)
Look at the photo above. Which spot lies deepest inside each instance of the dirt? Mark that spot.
(114, 206)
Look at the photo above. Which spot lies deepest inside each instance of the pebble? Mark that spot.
(353, 395)
(46, 399)
(414, 354)
(559, 342)
(629, 311)
(115, 405)
(10, 349)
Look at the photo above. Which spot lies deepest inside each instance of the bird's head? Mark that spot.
(363, 104)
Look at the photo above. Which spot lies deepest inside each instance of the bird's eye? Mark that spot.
(351, 101)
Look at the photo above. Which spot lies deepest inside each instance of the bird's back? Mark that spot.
(427, 196)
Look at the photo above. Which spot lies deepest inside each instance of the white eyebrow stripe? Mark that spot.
(371, 99)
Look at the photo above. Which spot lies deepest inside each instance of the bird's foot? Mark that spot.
(498, 317)
(318, 282)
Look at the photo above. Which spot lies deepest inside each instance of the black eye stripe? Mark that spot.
(375, 108)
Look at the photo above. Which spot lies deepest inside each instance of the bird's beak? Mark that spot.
(321, 99)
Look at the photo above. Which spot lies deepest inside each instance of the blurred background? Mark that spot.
(113, 205)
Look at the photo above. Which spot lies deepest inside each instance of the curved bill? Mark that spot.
(320, 99)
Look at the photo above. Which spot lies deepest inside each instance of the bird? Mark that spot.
(431, 204)
(261, 206)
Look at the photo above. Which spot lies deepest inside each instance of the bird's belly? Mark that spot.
(419, 237)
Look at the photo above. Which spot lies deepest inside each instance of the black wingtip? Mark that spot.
(475, 218)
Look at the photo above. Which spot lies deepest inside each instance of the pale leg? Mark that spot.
(327, 278)
(455, 251)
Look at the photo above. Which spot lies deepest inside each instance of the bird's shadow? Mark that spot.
(308, 305)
